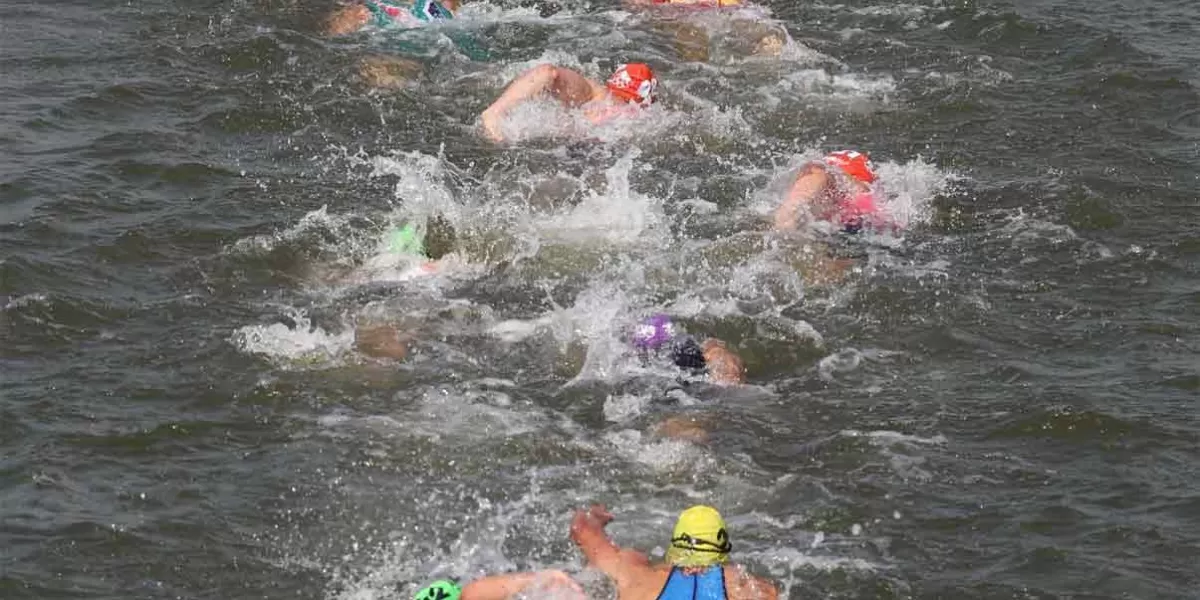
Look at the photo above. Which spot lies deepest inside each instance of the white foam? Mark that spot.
(842, 361)
(659, 455)
(300, 347)
(623, 407)
(885, 437)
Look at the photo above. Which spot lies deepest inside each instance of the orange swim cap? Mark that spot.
(854, 164)
(633, 82)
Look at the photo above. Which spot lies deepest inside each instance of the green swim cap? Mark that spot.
(405, 240)
(439, 590)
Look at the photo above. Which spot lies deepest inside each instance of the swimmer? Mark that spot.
(385, 70)
(755, 34)
(350, 18)
(657, 335)
(631, 86)
(403, 243)
(837, 189)
(551, 583)
(697, 562)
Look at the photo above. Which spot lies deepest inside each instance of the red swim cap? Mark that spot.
(854, 164)
(634, 83)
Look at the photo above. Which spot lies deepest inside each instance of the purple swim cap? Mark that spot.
(653, 332)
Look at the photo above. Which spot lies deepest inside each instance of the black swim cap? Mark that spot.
(686, 353)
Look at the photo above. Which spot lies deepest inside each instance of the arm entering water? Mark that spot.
(566, 86)
(802, 192)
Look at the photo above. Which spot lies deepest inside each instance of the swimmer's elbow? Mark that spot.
(545, 74)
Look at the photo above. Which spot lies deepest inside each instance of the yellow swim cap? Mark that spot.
(700, 539)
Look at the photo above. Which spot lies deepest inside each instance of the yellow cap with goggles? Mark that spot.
(700, 539)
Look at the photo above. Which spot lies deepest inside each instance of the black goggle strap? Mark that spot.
(687, 542)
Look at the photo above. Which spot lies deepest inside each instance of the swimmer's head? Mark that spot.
(406, 240)
(437, 240)
(855, 165)
(634, 83)
(431, 10)
(699, 539)
(439, 590)
(653, 332)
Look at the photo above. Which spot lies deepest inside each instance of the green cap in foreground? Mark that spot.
(405, 240)
(439, 590)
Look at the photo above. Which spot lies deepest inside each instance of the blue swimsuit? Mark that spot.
(706, 585)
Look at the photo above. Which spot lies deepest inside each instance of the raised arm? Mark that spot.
(623, 566)
(724, 365)
(565, 85)
(587, 531)
(808, 184)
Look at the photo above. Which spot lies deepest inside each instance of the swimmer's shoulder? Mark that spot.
(645, 581)
(740, 584)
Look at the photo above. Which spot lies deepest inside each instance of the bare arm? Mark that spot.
(347, 19)
(503, 587)
(565, 85)
(587, 531)
(724, 365)
(382, 341)
(803, 191)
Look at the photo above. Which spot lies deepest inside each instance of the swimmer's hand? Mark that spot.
(596, 513)
(491, 121)
(594, 518)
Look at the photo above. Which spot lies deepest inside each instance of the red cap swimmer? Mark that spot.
(858, 208)
(854, 164)
(634, 83)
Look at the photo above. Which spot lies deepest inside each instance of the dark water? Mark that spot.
(1001, 404)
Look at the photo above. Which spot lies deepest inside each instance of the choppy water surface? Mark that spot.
(999, 404)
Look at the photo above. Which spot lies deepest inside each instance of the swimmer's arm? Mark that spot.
(496, 587)
(724, 365)
(587, 531)
(452, 5)
(806, 187)
(503, 587)
(347, 19)
(382, 341)
(565, 85)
